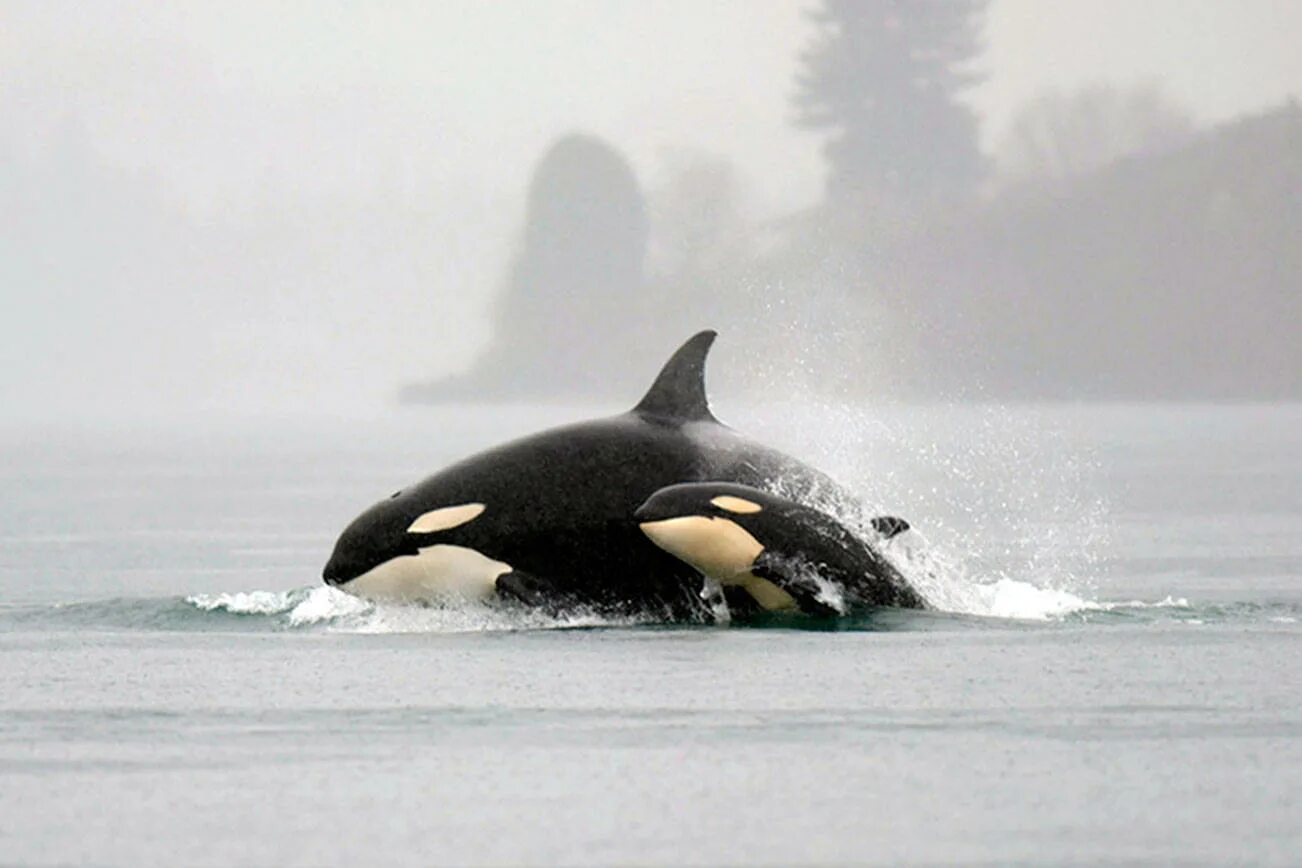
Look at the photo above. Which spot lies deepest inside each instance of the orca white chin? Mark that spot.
(436, 574)
(719, 548)
(722, 551)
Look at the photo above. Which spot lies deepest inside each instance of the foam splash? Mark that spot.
(1009, 598)
(945, 584)
(1014, 496)
(829, 594)
(715, 603)
(333, 609)
(248, 602)
(328, 608)
(301, 606)
(325, 604)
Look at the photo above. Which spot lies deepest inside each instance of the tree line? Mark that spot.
(1110, 248)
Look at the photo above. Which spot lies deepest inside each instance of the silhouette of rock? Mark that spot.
(572, 301)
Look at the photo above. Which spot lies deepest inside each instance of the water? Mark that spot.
(1113, 675)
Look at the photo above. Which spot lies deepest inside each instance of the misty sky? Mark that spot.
(237, 109)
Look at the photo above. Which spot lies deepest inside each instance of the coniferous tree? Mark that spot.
(883, 77)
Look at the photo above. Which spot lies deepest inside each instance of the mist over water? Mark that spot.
(238, 209)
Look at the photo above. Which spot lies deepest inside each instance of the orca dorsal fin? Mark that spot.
(679, 390)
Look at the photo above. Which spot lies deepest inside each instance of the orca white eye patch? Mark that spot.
(445, 518)
(736, 504)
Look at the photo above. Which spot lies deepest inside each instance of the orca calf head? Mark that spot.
(399, 549)
(718, 528)
(707, 524)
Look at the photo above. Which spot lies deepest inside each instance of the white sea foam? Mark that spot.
(715, 602)
(829, 593)
(1167, 602)
(247, 602)
(946, 584)
(1011, 501)
(325, 603)
(336, 610)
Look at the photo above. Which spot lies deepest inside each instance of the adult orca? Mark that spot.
(784, 555)
(548, 519)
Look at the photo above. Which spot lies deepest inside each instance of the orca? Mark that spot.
(787, 557)
(548, 520)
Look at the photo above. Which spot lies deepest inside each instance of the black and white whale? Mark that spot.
(783, 555)
(549, 519)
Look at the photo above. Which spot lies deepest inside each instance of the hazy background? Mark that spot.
(257, 207)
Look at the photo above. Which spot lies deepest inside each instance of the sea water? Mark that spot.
(1111, 672)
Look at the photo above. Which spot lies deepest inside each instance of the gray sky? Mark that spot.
(441, 109)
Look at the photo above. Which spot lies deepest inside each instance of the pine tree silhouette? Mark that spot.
(883, 77)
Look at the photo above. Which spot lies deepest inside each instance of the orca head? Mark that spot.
(715, 527)
(773, 549)
(407, 549)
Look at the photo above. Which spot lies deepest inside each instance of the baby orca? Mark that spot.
(784, 556)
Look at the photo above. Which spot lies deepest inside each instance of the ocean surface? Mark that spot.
(1113, 672)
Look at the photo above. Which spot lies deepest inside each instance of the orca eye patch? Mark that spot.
(445, 518)
(736, 504)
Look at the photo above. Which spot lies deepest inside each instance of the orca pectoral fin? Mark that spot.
(889, 526)
(794, 577)
(528, 589)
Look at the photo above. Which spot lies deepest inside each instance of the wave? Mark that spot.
(318, 607)
(321, 608)
(331, 607)
(946, 585)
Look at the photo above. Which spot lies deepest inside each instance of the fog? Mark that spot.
(271, 208)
